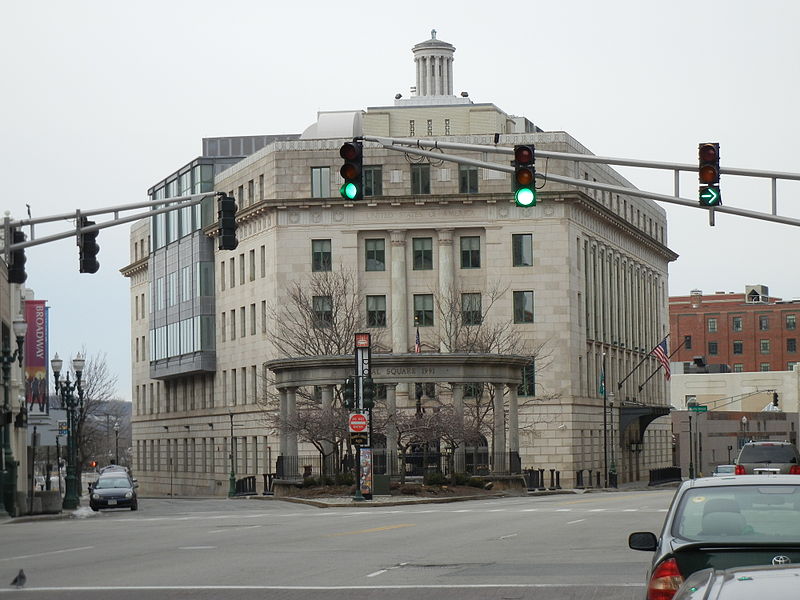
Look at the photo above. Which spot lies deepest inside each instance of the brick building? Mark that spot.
(747, 332)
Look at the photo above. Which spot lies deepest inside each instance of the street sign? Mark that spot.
(62, 428)
(698, 408)
(359, 439)
(358, 423)
(710, 196)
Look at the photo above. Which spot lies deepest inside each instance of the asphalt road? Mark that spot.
(567, 546)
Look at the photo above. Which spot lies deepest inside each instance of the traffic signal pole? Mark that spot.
(415, 148)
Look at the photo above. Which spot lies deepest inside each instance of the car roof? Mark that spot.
(733, 480)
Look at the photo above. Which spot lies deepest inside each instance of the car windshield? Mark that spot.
(742, 513)
(726, 469)
(112, 482)
(767, 454)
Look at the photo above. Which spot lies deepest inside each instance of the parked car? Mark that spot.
(721, 523)
(114, 490)
(768, 457)
(721, 470)
(740, 583)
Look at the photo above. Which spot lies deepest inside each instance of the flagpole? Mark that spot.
(646, 356)
(674, 352)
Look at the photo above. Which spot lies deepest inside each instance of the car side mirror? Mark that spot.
(643, 540)
(135, 484)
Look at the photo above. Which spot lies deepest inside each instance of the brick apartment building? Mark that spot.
(747, 332)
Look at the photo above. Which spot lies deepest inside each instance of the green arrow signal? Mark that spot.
(710, 196)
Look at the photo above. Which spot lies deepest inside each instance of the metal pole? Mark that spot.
(605, 426)
(232, 478)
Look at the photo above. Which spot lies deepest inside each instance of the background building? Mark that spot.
(751, 331)
(581, 278)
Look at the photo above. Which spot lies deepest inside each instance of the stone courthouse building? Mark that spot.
(581, 278)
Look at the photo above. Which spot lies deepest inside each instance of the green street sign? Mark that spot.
(699, 408)
(710, 196)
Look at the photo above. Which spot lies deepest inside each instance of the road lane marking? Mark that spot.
(573, 522)
(235, 528)
(46, 553)
(196, 547)
(510, 535)
(373, 530)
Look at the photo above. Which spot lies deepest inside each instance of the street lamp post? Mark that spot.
(232, 478)
(8, 473)
(66, 389)
(116, 442)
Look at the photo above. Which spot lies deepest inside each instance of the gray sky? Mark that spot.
(101, 99)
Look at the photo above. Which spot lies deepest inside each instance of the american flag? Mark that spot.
(417, 347)
(660, 352)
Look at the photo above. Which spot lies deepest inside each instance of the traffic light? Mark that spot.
(368, 389)
(348, 391)
(88, 248)
(16, 267)
(708, 174)
(775, 399)
(524, 175)
(226, 211)
(351, 171)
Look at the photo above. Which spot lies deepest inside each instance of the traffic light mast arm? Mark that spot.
(596, 185)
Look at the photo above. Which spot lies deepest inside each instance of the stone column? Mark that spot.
(391, 430)
(513, 426)
(291, 436)
(399, 320)
(283, 411)
(429, 89)
(458, 406)
(446, 275)
(450, 76)
(499, 462)
(327, 402)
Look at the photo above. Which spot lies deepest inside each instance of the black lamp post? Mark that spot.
(116, 442)
(66, 389)
(8, 474)
(232, 478)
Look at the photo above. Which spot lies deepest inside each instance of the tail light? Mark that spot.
(665, 581)
(794, 470)
(740, 470)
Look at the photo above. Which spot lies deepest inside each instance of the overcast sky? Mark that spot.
(102, 99)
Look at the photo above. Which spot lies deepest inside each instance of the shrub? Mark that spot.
(409, 490)
(344, 479)
(459, 479)
(308, 482)
(475, 482)
(434, 478)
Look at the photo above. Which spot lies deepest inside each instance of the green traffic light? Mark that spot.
(349, 191)
(525, 197)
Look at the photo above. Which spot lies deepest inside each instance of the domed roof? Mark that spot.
(433, 43)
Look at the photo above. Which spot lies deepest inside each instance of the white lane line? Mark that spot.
(196, 547)
(46, 553)
(631, 510)
(510, 535)
(563, 510)
(573, 522)
(376, 573)
(235, 528)
(597, 510)
(529, 509)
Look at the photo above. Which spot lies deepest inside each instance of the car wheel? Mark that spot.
(135, 506)
(94, 509)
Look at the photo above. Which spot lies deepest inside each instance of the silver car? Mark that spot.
(740, 583)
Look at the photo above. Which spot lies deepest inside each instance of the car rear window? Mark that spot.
(740, 513)
(768, 454)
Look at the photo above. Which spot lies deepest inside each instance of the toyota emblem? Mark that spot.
(781, 560)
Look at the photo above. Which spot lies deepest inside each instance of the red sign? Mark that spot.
(362, 340)
(358, 423)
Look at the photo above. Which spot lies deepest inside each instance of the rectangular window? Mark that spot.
(373, 180)
(738, 368)
(420, 179)
(320, 255)
(471, 309)
(791, 344)
(172, 288)
(411, 127)
(470, 252)
(423, 310)
(522, 249)
(467, 179)
(763, 323)
(712, 326)
(791, 322)
(430, 127)
(712, 348)
(222, 275)
(376, 311)
(736, 324)
(523, 307)
(763, 367)
(232, 272)
(687, 342)
(186, 283)
(528, 386)
(241, 269)
(233, 324)
(253, 319)
(320, 182)
(252, 273)
(323, 310)
(263, 261)
(423, 253)
(375, 255)
(764, 346)
(738, 347)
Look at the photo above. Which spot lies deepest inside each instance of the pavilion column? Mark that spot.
(391, 429)
(459, 465)
(283, 412)
(327, 446)
(499, 463)
(513, 429)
